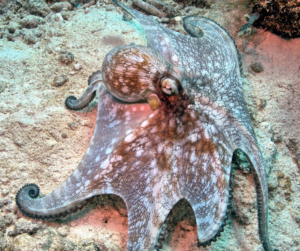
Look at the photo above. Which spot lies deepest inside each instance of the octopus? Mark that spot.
(170, 117)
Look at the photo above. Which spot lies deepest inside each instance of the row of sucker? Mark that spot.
(221, 230)
(163, 233)
(34, 193)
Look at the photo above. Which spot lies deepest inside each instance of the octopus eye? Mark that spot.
(169, 86)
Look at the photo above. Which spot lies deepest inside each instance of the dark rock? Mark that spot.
(10, 37)
(32, 21)
(3, 202)
(57, 7)
(257, 67)
(75, 3)
(31, 36)
(13, 26)
(66, 57)
(38, 7)
(24, 226)
(64, 135)
(8, 219)
(73, 125)
(60, 80)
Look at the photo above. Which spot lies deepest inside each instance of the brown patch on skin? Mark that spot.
(205, 146)
(221, 184)
(128, 77)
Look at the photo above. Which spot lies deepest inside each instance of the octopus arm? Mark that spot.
(237, 133)
(114, 120)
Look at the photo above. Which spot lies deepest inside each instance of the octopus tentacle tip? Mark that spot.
(33, 191)
(68, 102)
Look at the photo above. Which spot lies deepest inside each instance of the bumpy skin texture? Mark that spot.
(181, 150)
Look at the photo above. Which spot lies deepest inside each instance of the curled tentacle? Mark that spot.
(27, 197)
(73, 103)
(191, 28)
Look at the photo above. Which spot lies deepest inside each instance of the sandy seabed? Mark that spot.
(42, 142)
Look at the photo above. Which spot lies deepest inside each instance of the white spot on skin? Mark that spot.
(168, 151)
(130, 137)
(76, 173)
(104, 164)
(108, 150)
(145, 123)
(125, 89)
(115, 158)
(193, 138)
(97, 159)
(138, 153)
(160, 147)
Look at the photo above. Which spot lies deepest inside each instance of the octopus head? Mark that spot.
(132, 73)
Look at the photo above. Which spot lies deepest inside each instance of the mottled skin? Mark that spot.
(183, 149)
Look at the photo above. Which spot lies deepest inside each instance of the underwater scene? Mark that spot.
(145, 125)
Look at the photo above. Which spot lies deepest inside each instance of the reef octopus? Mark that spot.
(177, 144)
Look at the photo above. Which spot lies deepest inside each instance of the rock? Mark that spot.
(10, 37)
(64, 135)
(73, 125)
(47, 239)
(57, 7)
(24, 226)
(77, 67)
(60, 80)
(86, 122)
(5, 192)
(13, 26)
(63, 231)
(32, 21)
(75, 3)
(65, 15)
(3, 202)
(31, 36)
(66, 57)
(8, 219)
(38, 7)
(257, 67)
(58, 17)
